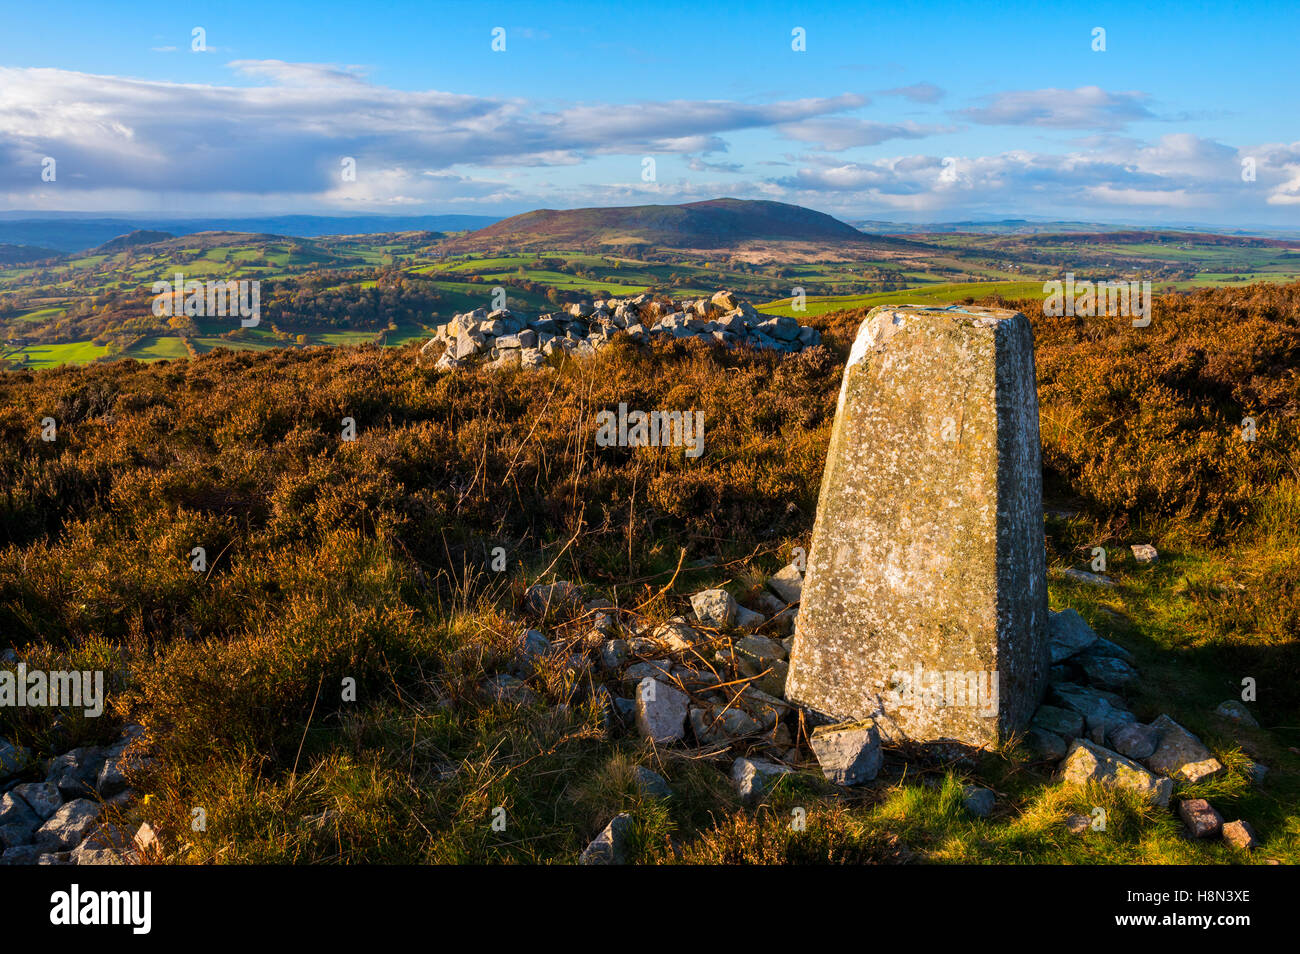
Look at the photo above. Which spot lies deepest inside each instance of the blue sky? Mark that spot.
(920, 111)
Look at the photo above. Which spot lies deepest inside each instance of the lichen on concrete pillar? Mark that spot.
(925, 600)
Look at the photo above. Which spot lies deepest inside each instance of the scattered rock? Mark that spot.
(1239, 834)
(787, 583)
(613, 653)
(1088, 762)
(766, 708)
(1134, 740)
(506, 688)
(68, 826)
(1068, 634)
(610, 846)
(1078, 824)
(1065, 723)
(652, 783)
(1045, 746)
(761, 647)
(43, 797)
(1104, 647)
(980, 802)
(505, 338)
(653, 669)
(1060, 673)
(1200, 818)
(81, 855)
(112, 777)
(759, 656)
(13, 759)
(21, 855)
(848, 753)
(719, 724)
(17, 833)
(1234, 711)
(561, 595)
(780, 616)
(753, 777)
(1098, 707)
(1144, 553)
(1180, 754)
(716, 608)
(146, 839)
(661, 710)
(77, 772)
(534, 644)
(676, 635)
(16, 811)
(1083, 576)
(1108, 672)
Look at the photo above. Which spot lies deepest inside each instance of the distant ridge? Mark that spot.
(715, 223)
(23, 254)
(72, 232)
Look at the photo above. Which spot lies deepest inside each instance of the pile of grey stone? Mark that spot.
(66, 818)
(506, 338)
(1086, 724)
(711, 680)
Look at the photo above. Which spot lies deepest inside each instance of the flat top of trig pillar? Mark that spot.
(883, 320)
(988, 315)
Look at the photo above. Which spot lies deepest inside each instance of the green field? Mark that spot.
(159, 348)
(40, 314)
(343, 337)
(53, 355)
(943, 294)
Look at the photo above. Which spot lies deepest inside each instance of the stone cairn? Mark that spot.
(504, 338)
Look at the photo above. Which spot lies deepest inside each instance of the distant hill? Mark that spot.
(22, 254)
(73, 232)
(716, 223)
(1051, 228)
(299, 251)
(131, 240)
(1140, 237)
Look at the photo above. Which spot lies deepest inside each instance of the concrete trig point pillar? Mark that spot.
(925, 599)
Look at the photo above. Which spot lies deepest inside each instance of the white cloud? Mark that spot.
(1176, 172)
(835, 134)
(1088, 107)
(286, 136)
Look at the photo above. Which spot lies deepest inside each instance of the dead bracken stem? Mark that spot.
(681, 558)
(566, 546)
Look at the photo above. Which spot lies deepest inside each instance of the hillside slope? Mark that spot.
(132, 239)
(715, 223)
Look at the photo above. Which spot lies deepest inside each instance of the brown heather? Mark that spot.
(370, 559)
